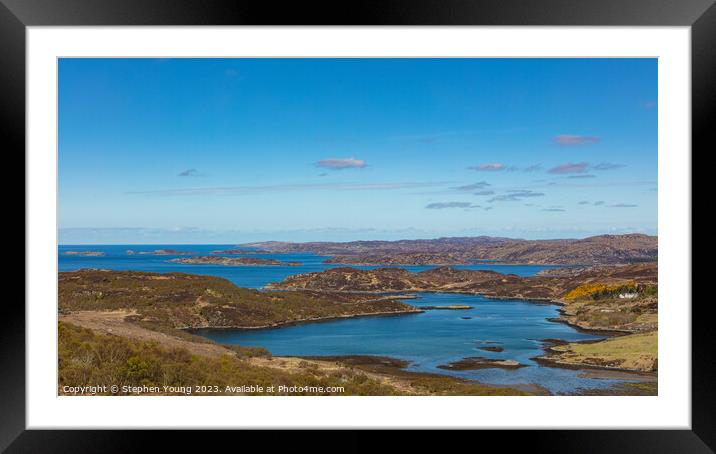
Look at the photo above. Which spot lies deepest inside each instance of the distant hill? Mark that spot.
(595, 250)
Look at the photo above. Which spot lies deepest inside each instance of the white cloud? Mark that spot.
(339, 164)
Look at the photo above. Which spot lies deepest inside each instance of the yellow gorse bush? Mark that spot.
(593, 290)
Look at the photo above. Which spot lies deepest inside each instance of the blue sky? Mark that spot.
(234, 150)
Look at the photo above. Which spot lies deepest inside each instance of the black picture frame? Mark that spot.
(16, 15)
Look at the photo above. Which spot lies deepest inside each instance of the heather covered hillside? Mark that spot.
(178, 300)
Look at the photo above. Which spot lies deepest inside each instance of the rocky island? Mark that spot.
(159, 252)
(85, 253)
(478, 362)
(233, 261)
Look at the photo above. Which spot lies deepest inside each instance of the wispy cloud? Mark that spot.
(249, 190)
(483, 193)
(601, 203)
(607, 166)
(525, 193)
(533, 168)
(571, 140)
(516, 195)
(189, 173)
(553, 209)
(569, 168)
(474, 186)
(488, 167)
(339, 164)
(583, 167)
(443, 205)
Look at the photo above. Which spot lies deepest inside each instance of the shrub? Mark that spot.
(598, 291)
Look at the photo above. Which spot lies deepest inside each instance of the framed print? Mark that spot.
(413, 216)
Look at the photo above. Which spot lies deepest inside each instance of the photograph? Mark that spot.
(357, 226)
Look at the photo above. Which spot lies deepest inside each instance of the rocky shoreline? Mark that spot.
(584, 330)
(606, 332)
(303, 321)
(397, 367)
(550, 362)
(453, 307)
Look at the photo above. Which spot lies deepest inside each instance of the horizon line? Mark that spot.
(237, 243)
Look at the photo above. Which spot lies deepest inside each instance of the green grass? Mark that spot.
(634, 351)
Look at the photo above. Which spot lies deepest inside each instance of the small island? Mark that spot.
(85, 253)
(160, 252)
(478, 362)
(233, 261)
